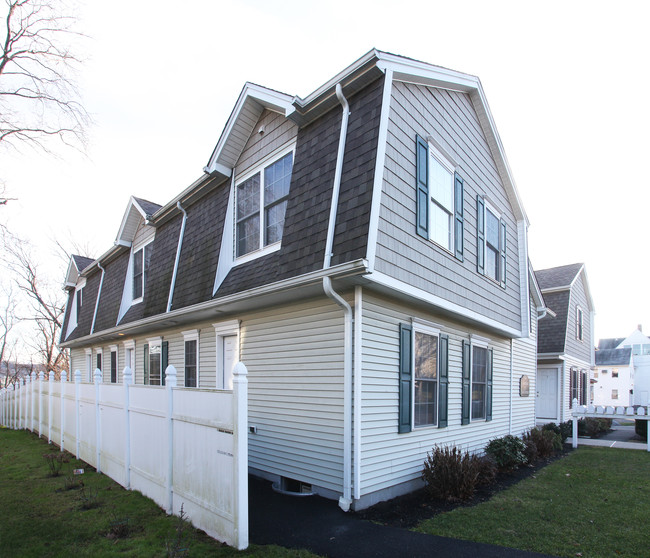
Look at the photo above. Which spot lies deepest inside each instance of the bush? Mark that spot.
(530, 452)
(507, 452)
(641, 428)
(487, 470)
(451, 474)
(566, 430)
(593, 427)
(546, 441)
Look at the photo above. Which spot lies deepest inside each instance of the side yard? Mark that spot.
(592, 503)
(88, 514)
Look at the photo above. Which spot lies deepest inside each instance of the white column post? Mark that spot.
(49, 407)
(575, 424)
(20, 403)
(98, 426)
(170, 384)
(28, 380)
(41, 377)
(64, 379)
(33, 397)
(240, 454)
(77, 426)
(127, 378)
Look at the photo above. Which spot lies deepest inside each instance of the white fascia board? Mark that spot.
(71, 275)
(583, 271)
(267, 98)
(446, 305)
(132, 205)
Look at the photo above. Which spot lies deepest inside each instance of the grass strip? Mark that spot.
(593, 503)
(42, 516)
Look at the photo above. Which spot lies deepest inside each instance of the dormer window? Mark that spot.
(261, 203)
(141, 260)
(79, 296)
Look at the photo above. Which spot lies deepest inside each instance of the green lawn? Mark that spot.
(593, 503)
(41, 518)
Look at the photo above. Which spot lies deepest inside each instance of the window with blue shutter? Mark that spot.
(489, 388)
(444, 381)
(422, 187)
(480, 234)
(164, 360)
(458, 216)
(466, 383)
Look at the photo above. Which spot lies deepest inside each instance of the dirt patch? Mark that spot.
(409, 510)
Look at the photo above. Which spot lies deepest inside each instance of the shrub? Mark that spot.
(451, 474)
(566, 430)
(641, 428)
(55, 461)
(546, 441)
(487, 470)
(530, 451)
(592, 427)
(507, 452)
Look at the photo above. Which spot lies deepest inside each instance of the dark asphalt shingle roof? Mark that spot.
(613, 357)
(551, 336)
(149, 207)
(81, 262)
(556, 277)
(611, 343)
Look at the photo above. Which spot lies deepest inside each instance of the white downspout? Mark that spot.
(99, 294)
(345, 501)
(511, 388)
(178, 257)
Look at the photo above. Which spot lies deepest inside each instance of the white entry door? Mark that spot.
(547, 400)
(229, 356)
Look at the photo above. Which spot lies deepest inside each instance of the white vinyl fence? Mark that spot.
(629, 413)
(178, 446)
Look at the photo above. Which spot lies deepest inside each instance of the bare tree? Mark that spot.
(47, 304)
(38, 96)
(8, 320)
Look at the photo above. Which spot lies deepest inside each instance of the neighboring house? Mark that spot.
(613, 377)
(565, 344)
(363, 251)
(639, 345)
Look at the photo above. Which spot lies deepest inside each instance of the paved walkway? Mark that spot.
(620, 437)
(319, 525)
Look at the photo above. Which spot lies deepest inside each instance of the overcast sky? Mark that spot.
(567, 83)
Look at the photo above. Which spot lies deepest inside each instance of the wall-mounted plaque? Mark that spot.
(524, 386)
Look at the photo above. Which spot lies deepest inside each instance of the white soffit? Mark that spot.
(132, 217)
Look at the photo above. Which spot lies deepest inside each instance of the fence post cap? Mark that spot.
(127, 375)
(51, 376)
(171, 376)
(64, 375)
(97, 375)
(41, 375)
(77, 376)
(240, 369)
(33, 376)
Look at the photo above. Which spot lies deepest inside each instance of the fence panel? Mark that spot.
(178, 446)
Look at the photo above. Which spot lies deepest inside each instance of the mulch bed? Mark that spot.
(409, 510)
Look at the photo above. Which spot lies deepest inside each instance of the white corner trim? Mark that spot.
(380, 164)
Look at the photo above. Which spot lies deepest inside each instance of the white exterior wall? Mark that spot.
(565, 401)
(605, 383)
(389, 458)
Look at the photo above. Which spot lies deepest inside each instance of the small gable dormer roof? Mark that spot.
(252, 101)
(136, 210)
(563, 278)
(75, 267)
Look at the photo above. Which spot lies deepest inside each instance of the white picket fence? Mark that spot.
(629, 413)
(178, 446)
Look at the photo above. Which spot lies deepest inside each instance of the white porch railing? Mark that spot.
(178, 446)
(629, 413)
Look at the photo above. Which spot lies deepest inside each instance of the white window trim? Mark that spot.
(151, 341)
(130, 345)
(113, 349)
(257, 169)
(89, 364)
(192, 335)
(437, 153)
(427, 328)
(482, 343)
(135, 250)
(225, 329)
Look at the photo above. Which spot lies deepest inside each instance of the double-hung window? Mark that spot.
(479, 382)
(441, 187)
(141, 261)
(261, 203)
(155, 361)
(491, 242)
(113, 364)
(423, 377)
(191, 339)
(579, 324)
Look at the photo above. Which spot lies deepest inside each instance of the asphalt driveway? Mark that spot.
(317, 524)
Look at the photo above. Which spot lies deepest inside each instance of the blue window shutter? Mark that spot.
(443, 360)
(458, 217)
(467, 386)
(146, 363)
(422, 187)
(488, 387)
(405, 377)
(502, 250)
(480, 235)
(164, 358)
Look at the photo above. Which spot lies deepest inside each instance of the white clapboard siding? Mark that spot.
(294, 357)
(389, 458)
